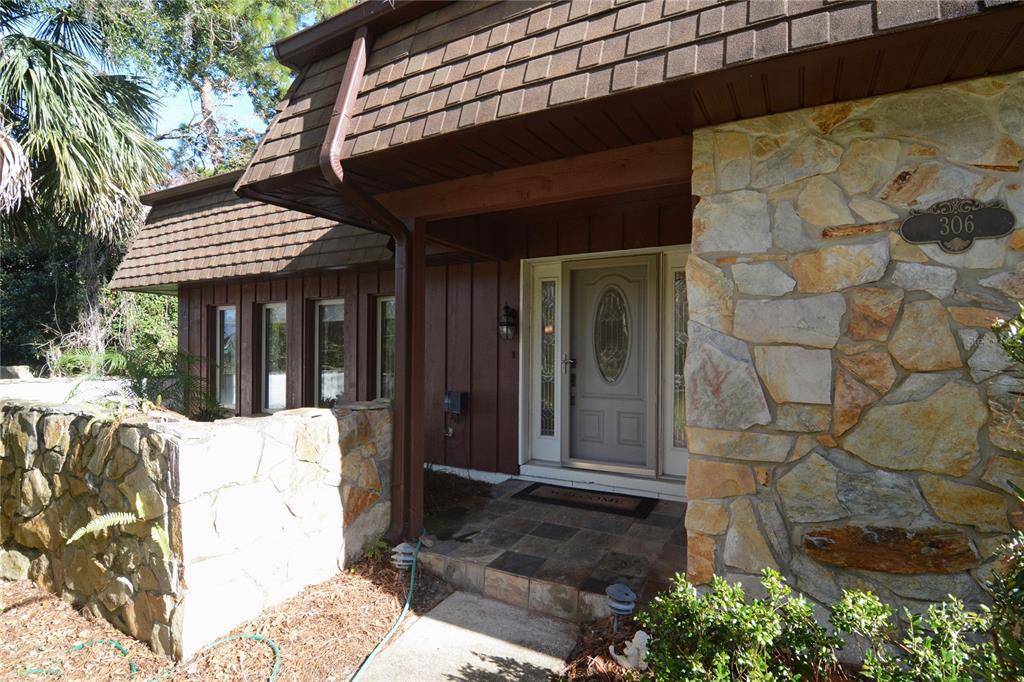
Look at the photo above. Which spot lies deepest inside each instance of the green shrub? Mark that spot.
(1007, 589)
(180, 385)
(947, 644)
(719, 635)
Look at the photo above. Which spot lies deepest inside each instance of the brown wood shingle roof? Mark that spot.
(473, 62)
(206, 232)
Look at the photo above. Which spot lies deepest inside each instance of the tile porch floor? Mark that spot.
(553, 559)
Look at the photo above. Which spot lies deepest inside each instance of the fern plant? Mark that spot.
(103, 522)
(157, 532)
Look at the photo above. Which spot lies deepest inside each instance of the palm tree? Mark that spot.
(81, 134)
(15, 174)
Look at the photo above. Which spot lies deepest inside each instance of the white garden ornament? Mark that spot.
(634, 655)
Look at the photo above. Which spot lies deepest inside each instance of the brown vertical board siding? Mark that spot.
(206, 336)
(674, 220)
(182, 296)
(573, 235)
(329, 285)
(348, 289)
(460, 358)
(606, 231)
(296, 323)
(263, 296)
(310, 294)
(220, 295)
(543, 238)
(640, 228)
(463, 302)
(366, 362)
(437, 362)
(278, 290)
(508, 374)
(483, 392)
(246, 348)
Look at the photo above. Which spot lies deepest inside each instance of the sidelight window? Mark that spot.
(547, 357)
(678, 358)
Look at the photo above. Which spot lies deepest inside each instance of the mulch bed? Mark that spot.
(324, 633)
(591, 662)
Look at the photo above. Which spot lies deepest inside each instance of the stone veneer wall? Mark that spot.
(255, 509)
(850, 416)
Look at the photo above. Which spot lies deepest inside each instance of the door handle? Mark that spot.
(568, 363)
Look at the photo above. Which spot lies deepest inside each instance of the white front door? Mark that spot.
(612, 364)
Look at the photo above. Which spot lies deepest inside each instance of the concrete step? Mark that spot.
(539, 596)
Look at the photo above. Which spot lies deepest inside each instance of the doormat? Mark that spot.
(593, 500)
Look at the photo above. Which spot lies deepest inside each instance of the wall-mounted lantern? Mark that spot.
(508, 321)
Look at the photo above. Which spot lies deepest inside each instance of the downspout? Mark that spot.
(331, 167)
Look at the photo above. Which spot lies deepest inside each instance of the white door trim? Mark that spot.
(546, 451)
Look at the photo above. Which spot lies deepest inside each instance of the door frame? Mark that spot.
(541, 456)
(652, 362)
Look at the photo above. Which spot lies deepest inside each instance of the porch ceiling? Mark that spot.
(527, 232)
(984, 44)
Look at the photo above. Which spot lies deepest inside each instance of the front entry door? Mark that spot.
(612, 364)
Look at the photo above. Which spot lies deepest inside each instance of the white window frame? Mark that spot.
(316, 343)
(218, 351)
(674, 459)
(264, 373)
(381, 300)
(535, 446)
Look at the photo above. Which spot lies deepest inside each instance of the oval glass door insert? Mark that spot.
(611, 334)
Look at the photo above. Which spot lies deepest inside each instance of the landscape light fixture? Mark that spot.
(621, 602)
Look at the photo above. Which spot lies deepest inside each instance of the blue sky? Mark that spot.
(182, 106)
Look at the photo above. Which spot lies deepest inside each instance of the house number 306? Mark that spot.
(954, 224)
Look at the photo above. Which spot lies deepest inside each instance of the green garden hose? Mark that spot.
(276, 670)
(133, 669)
(394, 628)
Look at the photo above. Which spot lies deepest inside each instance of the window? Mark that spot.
(678, 358)
(275, 356)
(330, 352)
(227, 359)
(386, 347)
(547, 358)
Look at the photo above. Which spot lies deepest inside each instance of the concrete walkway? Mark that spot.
(471, 638)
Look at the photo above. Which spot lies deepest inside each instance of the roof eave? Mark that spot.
(191, 188)
(335, 34)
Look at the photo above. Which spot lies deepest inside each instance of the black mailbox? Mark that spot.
(456, 402)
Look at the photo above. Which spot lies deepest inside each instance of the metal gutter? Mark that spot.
(331, 35)
(191, 188)
(406, 472)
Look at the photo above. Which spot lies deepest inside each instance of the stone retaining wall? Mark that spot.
(851, 418)
(254, 509)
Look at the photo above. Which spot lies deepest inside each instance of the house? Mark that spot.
(651, 247)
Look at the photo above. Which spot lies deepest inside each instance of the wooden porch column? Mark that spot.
(410, 380)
